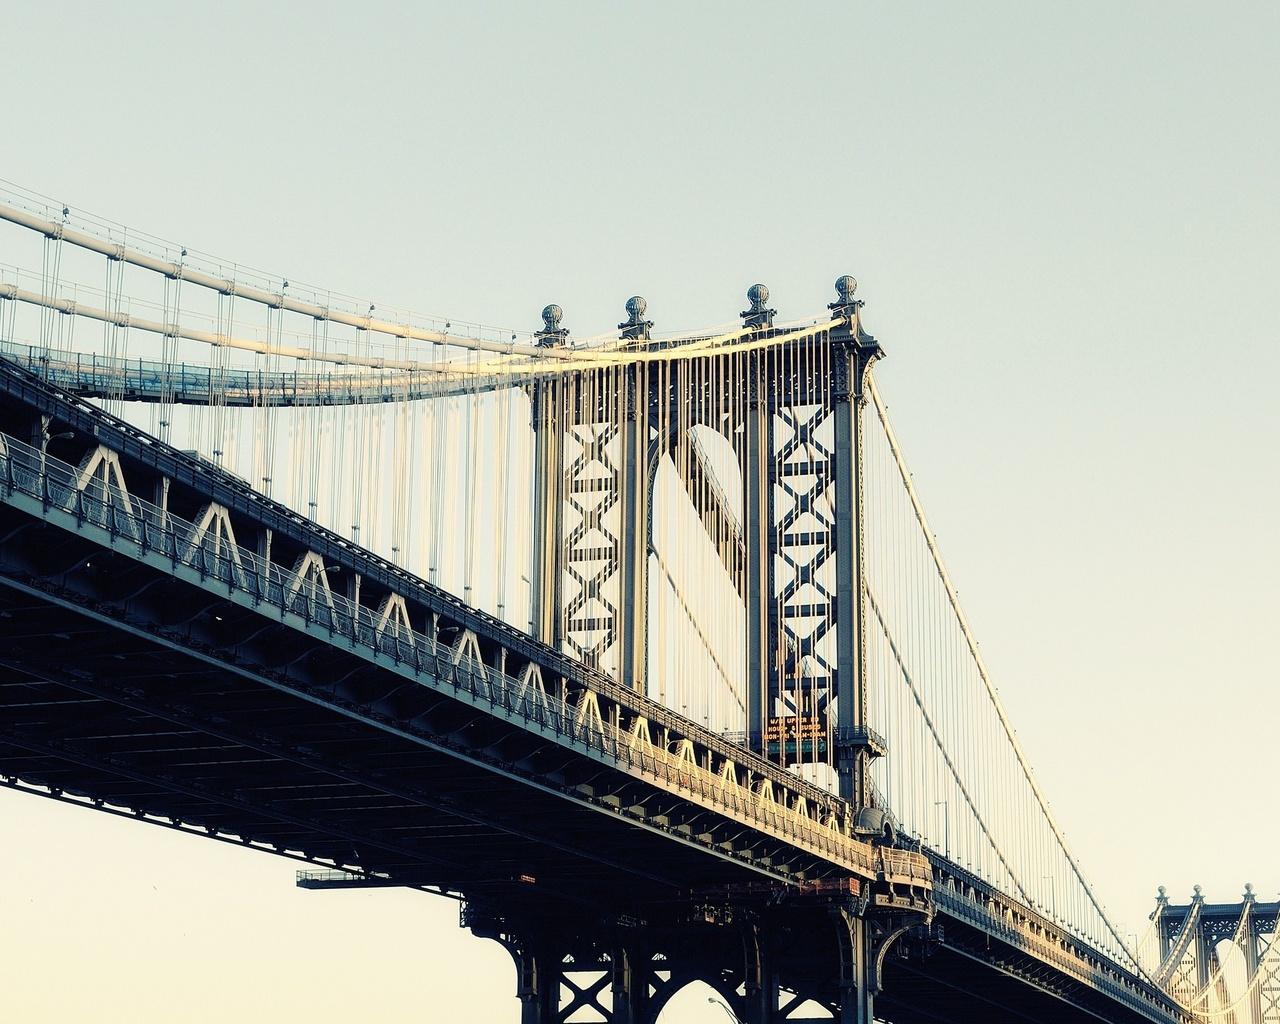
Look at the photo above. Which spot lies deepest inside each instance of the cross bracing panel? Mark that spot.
(592, 543)
(804, 523)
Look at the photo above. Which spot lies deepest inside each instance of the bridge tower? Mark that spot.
(794, 423)
(1192, 937)
(791, 413)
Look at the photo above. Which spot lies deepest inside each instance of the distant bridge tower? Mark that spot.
(1192, 959)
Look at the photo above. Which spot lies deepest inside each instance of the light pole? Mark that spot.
(528, 584)
(946, 826)
(45, 438)
(724, 1006)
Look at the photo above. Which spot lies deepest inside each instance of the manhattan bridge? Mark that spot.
(640, 647)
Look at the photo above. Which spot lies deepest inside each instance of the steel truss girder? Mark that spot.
(983, 926)
(696, 821)
(247, 738)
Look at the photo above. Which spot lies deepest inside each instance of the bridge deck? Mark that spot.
(152, 669)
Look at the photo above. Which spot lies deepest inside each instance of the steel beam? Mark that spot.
(852, 353)
(633, 534)
(546, 588)
(757, 496)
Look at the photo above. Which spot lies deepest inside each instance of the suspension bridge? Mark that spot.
(639, 646)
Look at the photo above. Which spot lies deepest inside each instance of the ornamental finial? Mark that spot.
(552, 333)
(845, 304)
(757, 315)
(636, 327)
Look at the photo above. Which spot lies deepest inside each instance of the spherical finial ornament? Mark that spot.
(1248, 888)
(1162, 890)
(845, 287)
(757, 295)
(1197, 889)
(551, 316)
(636, 307)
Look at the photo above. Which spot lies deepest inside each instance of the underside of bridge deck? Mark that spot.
(380, 776)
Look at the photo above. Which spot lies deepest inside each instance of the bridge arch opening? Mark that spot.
(695, 1002)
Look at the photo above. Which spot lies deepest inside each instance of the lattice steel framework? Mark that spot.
(1192, 939)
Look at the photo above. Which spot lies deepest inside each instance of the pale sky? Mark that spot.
(1064, 222)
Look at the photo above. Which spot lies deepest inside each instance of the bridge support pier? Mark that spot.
(562, 973)
(769, 963)
(856, 966)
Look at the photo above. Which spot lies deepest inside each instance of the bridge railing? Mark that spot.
(621, 736)
(151, 380)
(968, 898)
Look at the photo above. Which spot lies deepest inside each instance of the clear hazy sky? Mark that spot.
(1064, 219)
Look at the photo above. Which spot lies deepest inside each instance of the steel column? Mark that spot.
(546, 588)
(760, 987)
(856, 1000)
(633, 533)
(1252, 947)
(757, 496)
(757, 499)
(547, 585)
(852, 353)
(851, 683)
